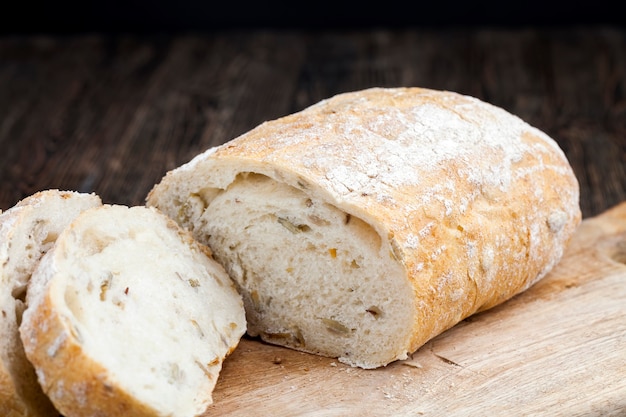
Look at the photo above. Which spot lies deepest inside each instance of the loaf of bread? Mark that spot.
(129, 316)
(27, 231)
(366, 224)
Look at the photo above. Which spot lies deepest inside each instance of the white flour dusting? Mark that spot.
(384, 150)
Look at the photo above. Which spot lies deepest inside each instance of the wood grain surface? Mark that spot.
(113, 113)
(558, 349)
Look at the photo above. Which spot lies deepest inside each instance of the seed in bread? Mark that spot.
(368, 223)
(128, 315)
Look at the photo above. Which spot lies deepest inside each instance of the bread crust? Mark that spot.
(474, 203)
(25, 224)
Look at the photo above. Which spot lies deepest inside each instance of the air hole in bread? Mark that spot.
(95, 242)
(50, 238)
(105, 283)
(72, 301)
(20, 306)
(375, 311)
(19, 292)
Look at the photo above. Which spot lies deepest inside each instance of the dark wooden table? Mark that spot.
(112, 113)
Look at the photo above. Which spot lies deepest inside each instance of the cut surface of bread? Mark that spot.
(27, 231)
(313, 277)
(128, 315)
(368, 223)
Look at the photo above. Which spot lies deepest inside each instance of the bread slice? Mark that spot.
(368, 223)
(27, 231)
(128, 315)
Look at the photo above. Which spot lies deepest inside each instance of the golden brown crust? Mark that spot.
(476, 204)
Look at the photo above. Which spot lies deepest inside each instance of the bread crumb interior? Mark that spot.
(312, 276)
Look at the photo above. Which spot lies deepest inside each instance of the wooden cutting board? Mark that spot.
(557, 349)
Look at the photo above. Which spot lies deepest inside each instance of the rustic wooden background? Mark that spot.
(112, 112)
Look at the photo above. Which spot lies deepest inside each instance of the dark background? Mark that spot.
(169, 16)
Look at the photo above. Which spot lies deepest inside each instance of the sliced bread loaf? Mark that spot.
(128, 315)
(366, 224)
(27, 231)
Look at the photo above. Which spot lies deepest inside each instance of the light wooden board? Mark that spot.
(557, 349)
